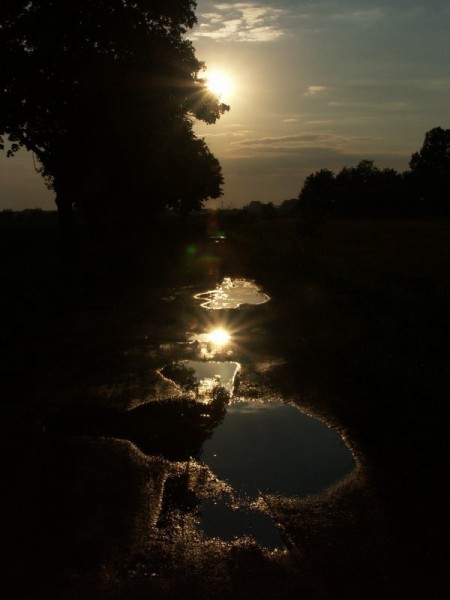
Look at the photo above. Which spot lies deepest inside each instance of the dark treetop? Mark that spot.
(104, 93)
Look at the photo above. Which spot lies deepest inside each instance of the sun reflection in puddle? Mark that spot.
(219, 336)
(209, 344)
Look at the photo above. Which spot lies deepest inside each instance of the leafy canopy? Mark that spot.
(102, 91)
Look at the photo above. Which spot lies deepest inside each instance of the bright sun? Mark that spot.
(219, 337)
(220, 84)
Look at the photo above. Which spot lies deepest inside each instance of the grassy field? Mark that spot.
(366, 305)
(356, 333)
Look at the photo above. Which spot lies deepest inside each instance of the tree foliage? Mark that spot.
(315, 200)
(430, 171)
(102, 91)
(365, 191)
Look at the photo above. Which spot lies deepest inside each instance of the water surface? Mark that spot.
(203, 377)
(273, 446)
(232, 293)
(256, 447)
(261, 448)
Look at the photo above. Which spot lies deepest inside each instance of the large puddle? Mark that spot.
(273, 446)
(262, 448)
(256, 448)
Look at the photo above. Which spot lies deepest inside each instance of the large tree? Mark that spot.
(430, 172)
(315, 200)
(196, 173)
(102, 91)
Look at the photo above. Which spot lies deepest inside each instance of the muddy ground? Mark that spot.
(356, 333)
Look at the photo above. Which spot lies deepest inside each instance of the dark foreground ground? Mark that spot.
(356, 333)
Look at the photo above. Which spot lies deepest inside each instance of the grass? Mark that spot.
(356, 333)
(368, 305)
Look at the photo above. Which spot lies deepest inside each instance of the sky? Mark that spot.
(316, 84)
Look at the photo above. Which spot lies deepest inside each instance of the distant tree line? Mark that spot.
(365, 191)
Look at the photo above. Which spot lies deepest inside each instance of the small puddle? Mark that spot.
(232, 293)
(203, 379)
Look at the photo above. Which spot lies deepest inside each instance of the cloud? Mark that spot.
(288, 141)
(301, 162)
(374, 106)
(434, 83)
(307, 147)
(316, 89)
(361, 16)
(224, 134)
(240, 22)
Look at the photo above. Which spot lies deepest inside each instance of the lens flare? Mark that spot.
(219, 336)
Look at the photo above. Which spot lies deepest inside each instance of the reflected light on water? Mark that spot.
(219, 336)
(216, 341)
(232, 293)
(203, 378)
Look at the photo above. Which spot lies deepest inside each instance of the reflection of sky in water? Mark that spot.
(207, 374)
(220, 520)
(268, 447)
(208, 345)
(211, 370)
(232, 293)
(275, 447)
(259, 447)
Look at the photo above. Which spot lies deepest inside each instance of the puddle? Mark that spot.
(220, 520)
(205, 379)
(232, 293)
(274, 447)
(254, 448)
(262, 448)
(210, 344)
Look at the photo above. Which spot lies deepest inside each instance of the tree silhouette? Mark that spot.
(365, 191)
(102, 92)
(430, 171)
(358, 189)
(315, 200)
(195, 175)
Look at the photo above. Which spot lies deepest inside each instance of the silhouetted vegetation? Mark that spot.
(365, 191)
(430, 173)
(103, 94)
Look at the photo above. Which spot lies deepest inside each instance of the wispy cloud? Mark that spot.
(316, 89)
(374, 106)
(368, 16)
(297, 140)
(241, 22)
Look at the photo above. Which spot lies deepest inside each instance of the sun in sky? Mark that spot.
(220, 84)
